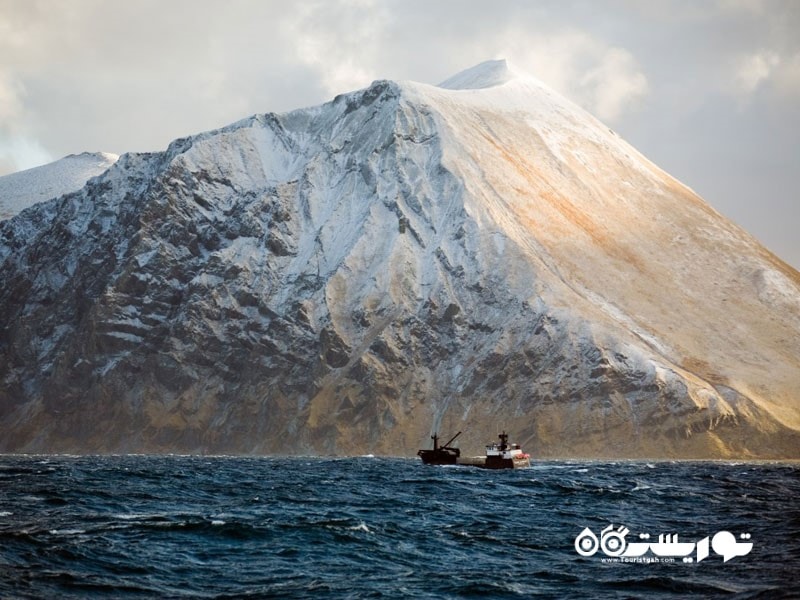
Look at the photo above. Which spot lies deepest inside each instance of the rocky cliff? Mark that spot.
(344, 279)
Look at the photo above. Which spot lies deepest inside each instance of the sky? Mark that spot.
(707, 89)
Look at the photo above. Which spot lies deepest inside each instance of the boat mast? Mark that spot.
(503, 441)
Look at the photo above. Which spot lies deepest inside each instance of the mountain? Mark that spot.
(20, 190)
(478, 256)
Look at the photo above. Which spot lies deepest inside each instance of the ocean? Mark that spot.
(233, 527)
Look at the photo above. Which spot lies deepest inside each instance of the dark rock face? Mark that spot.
(320, 282)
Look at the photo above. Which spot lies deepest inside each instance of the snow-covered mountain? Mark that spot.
(20, 190)
(477, 256)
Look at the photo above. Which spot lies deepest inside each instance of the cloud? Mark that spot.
(11, 93)
(90, 75)
(19, 152)
(750, 7)
(339, 41)
(615, 84)
(19, 149)
(787, 77)
(753, 69)
(605, 79)
(767, 70)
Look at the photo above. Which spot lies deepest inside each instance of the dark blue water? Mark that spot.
(196, 527)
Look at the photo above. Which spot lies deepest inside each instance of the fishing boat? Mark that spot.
(440, 455)
(505, 455)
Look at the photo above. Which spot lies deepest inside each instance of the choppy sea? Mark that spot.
(222, 527)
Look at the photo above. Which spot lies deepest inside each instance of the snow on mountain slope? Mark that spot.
(20, 190)
(487, 74)
(624, 235)
(479, 256)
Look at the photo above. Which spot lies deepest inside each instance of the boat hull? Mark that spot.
(493, 462)
(438, 457)
(497, 462)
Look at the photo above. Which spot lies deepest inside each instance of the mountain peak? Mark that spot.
(490, 73)
(22, 189)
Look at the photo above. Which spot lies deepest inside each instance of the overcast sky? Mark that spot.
(708, 90)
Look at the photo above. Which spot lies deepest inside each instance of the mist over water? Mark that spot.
(198, 527)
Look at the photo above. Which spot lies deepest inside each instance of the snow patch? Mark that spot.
(487, 74)
(20, 190)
